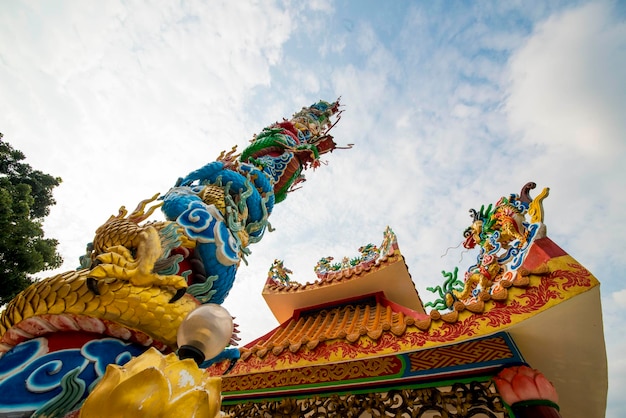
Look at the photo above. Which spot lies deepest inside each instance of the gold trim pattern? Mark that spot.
(316, 374)
(471, 352)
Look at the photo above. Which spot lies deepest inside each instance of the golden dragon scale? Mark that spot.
(65, 303)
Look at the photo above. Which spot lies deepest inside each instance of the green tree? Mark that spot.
(25, 200)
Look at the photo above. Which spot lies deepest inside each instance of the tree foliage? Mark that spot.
(25, 200)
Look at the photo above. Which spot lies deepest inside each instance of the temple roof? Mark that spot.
(376, 270)
(523, 287)
(348, 320)
(551, 304)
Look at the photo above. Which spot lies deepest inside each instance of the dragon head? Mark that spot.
(284, 149)
(482, 226)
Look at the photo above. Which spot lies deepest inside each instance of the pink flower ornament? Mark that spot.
(521, 383)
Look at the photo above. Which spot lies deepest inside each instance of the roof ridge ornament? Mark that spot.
(503, 233)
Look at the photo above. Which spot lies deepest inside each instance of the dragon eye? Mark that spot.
(467, 233)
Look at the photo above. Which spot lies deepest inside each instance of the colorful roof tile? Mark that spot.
(371, 315)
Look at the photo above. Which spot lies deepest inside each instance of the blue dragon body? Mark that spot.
(224, 206)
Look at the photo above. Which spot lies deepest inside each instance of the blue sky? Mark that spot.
(449, 104)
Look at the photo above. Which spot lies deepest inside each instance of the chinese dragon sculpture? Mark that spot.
(139, 279)
(503, 234)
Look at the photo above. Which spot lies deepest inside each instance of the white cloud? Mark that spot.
(565, 101)
(571, 71)
(97, 95)
(619, 298)
(321, 5)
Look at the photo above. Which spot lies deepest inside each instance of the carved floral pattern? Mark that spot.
(475, 399)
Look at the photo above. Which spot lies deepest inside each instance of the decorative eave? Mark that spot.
(385, 272)
(292, 343)
(475, 360)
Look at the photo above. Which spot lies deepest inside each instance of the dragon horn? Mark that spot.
(474, 214)
(524, 195)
